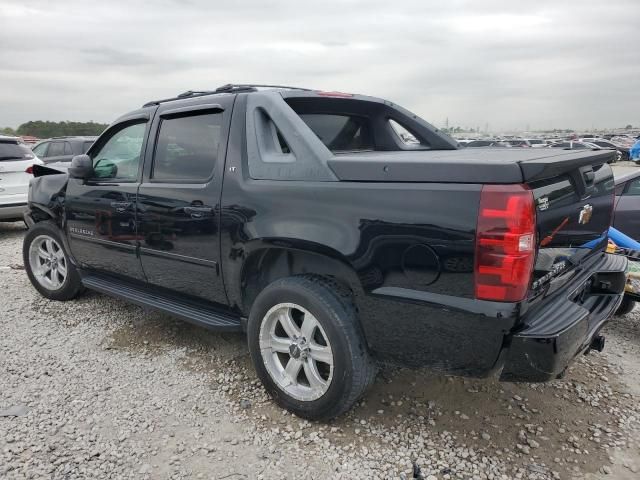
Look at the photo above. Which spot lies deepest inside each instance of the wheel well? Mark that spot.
(39, 214)
(267, 265)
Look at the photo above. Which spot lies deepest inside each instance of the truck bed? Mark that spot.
(499, 165)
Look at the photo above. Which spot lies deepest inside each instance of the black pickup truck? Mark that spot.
(338, 231)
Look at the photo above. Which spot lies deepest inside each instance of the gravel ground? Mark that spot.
(97, 388)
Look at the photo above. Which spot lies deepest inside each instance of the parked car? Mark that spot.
(62, 149)
(517, 142)
(537, 142)
(627, 207)
(304, 219)
(487, 143)
(622, 151)
(574, 145)
(16, 162)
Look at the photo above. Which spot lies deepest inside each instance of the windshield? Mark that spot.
(15, 151)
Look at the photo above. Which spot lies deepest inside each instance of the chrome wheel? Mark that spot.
(296, 351)
(48, 262)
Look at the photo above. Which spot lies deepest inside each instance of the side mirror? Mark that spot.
(81, 167)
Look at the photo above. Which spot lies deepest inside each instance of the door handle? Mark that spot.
(197, 212)
(120, 206)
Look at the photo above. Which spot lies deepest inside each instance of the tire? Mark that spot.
(50, 282)
(626, 306)
(301, 299)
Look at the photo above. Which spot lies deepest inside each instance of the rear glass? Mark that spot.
(341, 133)
(15, 151)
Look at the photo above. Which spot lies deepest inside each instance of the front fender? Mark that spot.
(47, 191)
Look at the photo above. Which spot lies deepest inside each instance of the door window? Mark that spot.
(67, 149)
(56, 149)
(41, 150)
(187, 148)
(634, 188)
(119, 157)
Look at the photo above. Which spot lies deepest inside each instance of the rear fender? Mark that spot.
(268, 260)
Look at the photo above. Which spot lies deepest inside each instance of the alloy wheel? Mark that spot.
(296, 351)
(48, 262)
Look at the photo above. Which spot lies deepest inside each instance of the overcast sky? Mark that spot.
(510, 64)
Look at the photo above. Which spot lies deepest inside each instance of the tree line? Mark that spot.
(45, 129)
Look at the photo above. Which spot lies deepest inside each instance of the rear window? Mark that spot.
(15, 151)
(341, 133)
(86, 146)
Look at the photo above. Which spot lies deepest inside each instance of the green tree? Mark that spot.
(7, 131)
(45, 129)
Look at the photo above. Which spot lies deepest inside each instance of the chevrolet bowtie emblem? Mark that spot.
(585, 214)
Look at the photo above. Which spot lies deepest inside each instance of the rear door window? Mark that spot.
(187, 148)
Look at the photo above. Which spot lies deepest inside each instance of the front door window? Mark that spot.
(119, 157)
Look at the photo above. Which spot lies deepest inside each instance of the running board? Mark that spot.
(197, 313)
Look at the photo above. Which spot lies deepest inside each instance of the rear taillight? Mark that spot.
(505, 243)
(29, 170)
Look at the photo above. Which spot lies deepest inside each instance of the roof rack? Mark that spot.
(228, 88)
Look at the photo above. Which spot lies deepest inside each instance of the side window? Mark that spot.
(341, 133)
(41, 150)
(633, 188)
(405, 135)
(56, 149)
(119, 157)
(187, 148)
(67, 149)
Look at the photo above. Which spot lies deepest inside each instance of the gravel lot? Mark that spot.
(103, 389)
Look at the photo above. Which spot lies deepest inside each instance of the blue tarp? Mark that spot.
(634, 152)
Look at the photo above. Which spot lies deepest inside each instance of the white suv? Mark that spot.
(16, 160)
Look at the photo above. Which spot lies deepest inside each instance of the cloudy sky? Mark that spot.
(508, 64)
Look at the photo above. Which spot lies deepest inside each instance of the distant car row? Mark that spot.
(16, 165)
(621, 148)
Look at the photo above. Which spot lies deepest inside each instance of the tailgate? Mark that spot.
(574, 197)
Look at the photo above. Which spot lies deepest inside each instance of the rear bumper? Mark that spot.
(12, 211)
(562, 328)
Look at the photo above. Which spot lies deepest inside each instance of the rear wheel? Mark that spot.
(307, 348)
(48, 265)
(626, 306)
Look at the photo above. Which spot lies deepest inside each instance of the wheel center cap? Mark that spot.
(298, 349)
(295, 351)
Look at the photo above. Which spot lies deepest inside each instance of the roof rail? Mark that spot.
(228, 88)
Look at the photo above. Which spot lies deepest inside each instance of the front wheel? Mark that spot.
(307, 347)
(48, 265)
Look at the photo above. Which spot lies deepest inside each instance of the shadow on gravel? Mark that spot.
(626, 326)
(562, 424)
(10, 230)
